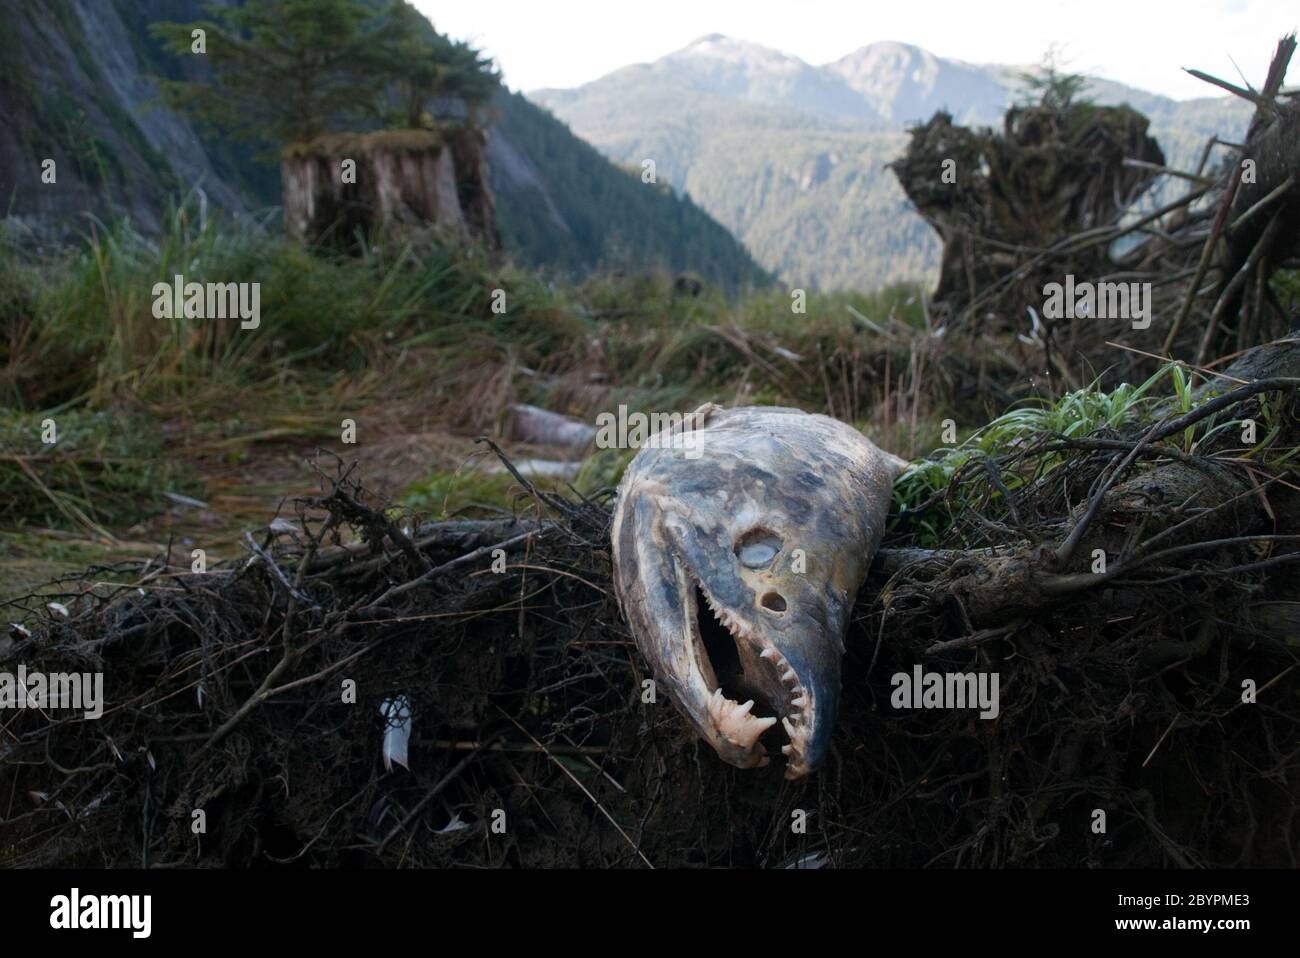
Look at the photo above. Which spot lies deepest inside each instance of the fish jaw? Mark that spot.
(786, 670)
(787, 629)
(660, 600)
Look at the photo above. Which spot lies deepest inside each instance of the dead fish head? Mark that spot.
(737, 569)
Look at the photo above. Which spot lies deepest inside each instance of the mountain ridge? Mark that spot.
(859, 63)
(78, 85)
(791, 156)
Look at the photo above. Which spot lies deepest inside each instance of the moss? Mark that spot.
(463, 492)
(381, 141)
(1286, 286)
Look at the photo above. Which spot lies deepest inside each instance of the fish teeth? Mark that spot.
(744, 731)
(734, 721)
(721, 704)
(725, 618)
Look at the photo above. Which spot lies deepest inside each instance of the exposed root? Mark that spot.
(1121, 691)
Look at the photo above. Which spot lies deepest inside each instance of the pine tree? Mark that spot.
(432, 65)
(1051, 87)
(287, 71)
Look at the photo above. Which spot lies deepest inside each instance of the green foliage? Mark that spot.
(465, 492)
(603, 469)
(584, 215)
(80, 323)
(105, 470)
(1286, 287)
(286, 70)
(1050, 87)
(1077, 414)
(429, 64)
(470, 492)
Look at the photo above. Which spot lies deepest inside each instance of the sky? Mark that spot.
(1144, 43)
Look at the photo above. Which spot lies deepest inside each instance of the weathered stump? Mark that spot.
(344, 185)
(1006, 195)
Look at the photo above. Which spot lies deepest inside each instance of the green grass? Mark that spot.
(414, 325)
(415, 334)
(81, 324)
(104, 470)
(438, 334)
(1077, 414)
(461, 493)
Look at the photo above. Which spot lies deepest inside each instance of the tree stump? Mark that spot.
(1049, 173)
(342, 186)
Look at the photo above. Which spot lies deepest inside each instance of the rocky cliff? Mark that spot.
(77, 86)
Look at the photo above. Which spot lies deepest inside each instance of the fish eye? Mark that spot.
(757, 548)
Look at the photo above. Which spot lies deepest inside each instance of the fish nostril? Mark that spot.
(773, 601)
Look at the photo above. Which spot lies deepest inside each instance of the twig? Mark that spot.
(560, 765)
(277, 573)
(432, 793)
(1261, 101)
(1206, 253)
(1237, 282)
(978, 638)
(1272, 195)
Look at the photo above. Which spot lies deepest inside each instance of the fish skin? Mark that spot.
(685, 504)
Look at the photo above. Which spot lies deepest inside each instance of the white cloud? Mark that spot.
(1144, 43)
